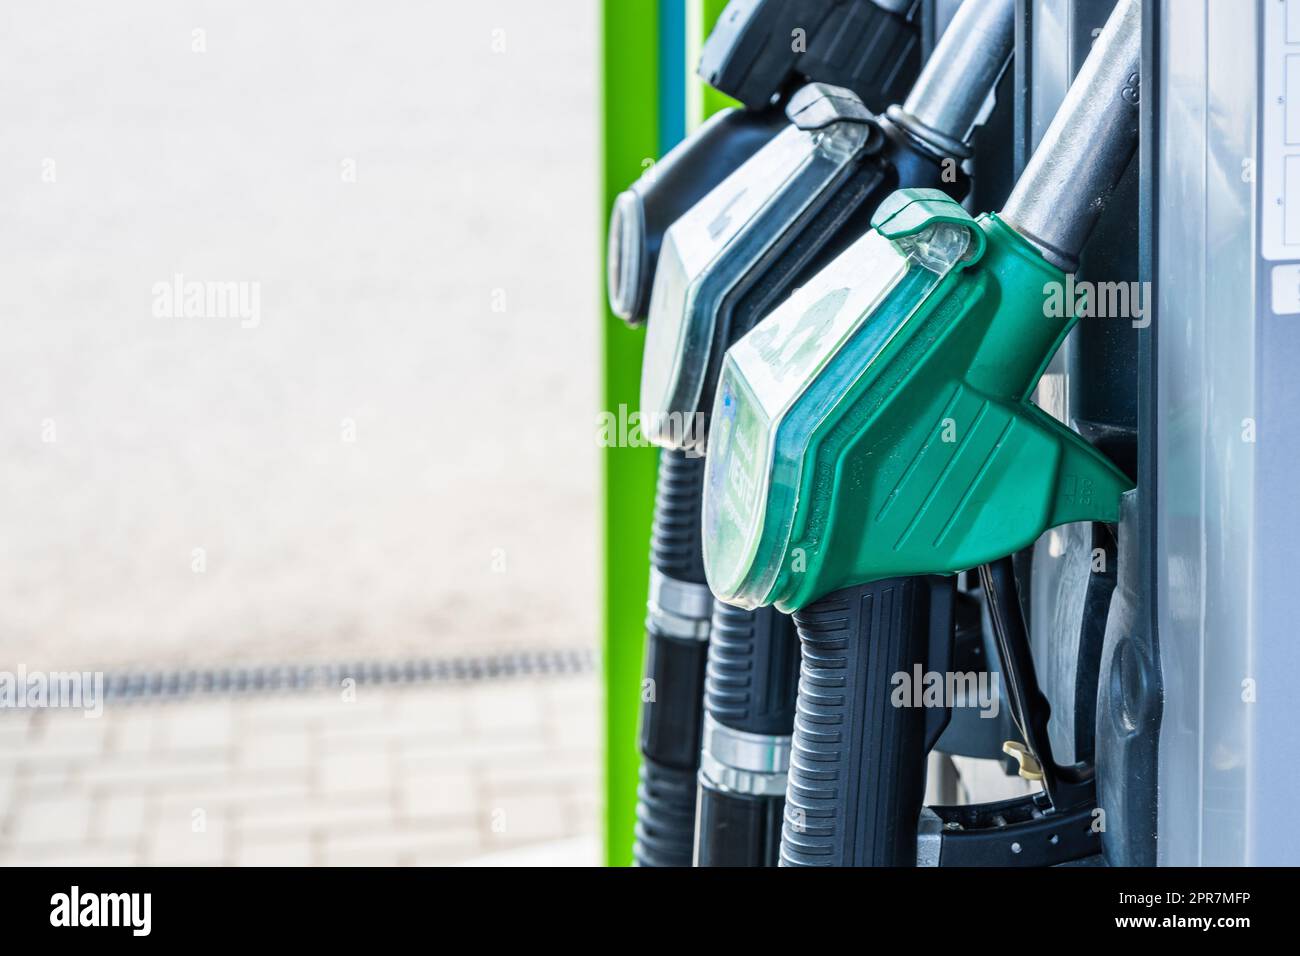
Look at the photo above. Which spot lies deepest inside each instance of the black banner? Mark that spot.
(211, 906)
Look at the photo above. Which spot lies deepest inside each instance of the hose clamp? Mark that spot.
(678, 608)
(938, 144)
(740, 762)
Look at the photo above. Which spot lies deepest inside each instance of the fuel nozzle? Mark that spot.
(763, 49)
(879, 423)
(951, 93)
(797, 204)
(1083, 155)
(874, 434)
(643, 212)
(760, 52)
(732, 254)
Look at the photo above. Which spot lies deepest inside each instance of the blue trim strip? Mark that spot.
(672, 73)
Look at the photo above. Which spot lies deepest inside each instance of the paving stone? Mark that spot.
(361, 855)
(49, 820)
(450, 855)
(348, 728)
(591, 798)
(274, 750)
(571, 767)
(134, 730)
(397, 846)
(70, 734)
(195, 836)
(296, 709)
(412, 776)
(49, 774)
(13, 737)
(515, 819)
(296, 851)
(120, 817)
(148, 772)
(444, 793)
(511, 706)
(206, 725)
(238, 789)
(360, 737)
(575, 851)
(361, 771)
(80, 856)
(584, 809)
(468, 751)
(14, 722)
(315, 814)
(577, 695)
(433, 712)
(578, 729)
(8, 790)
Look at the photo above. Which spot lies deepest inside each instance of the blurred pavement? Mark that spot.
(393, 460)
(401, 776)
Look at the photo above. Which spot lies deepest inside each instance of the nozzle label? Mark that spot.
(784, 352)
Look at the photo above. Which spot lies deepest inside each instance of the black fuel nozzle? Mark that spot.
(762, 49)
(643, 212)
(798, 203)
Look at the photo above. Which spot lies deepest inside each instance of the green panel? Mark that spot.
(630, 116)
(631, 135)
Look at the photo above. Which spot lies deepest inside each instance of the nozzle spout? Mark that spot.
(946, 101)
(1084, 153)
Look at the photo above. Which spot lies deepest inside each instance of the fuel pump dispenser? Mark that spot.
(897, 419)
(744, 248)
(874, 435)
(644, 257)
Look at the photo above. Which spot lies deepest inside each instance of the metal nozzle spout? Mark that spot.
(1085, 151)
(946, 101)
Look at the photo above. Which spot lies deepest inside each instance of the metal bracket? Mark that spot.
(1025, 831)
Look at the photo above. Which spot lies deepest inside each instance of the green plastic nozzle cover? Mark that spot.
(913, 446)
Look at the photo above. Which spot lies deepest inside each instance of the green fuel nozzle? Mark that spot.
(879, 423)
